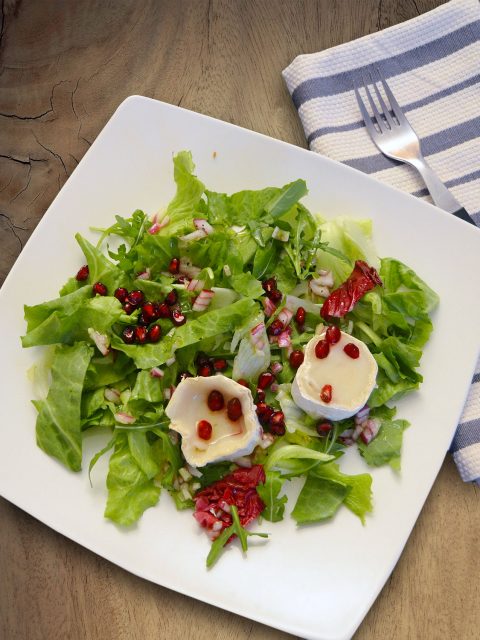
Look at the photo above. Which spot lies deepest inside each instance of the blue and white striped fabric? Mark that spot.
(432, 66)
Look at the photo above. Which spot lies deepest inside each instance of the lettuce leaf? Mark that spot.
(58, 423)
(386, 447)
(269, 493)
(359, 496)
(318, 500)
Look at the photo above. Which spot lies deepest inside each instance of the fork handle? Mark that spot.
(439, 192)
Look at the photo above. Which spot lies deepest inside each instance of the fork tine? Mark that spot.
(365, 115)
(396, 108)
(385, 109)
(373, 106)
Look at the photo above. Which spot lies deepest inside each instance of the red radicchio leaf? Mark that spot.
(238, 488)
(342, 300)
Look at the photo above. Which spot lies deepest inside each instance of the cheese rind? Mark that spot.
(352, 380)
(230, 439)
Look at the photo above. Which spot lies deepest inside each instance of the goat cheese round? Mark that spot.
(348, 380)
(229, 439)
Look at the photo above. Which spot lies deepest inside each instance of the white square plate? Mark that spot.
(318, 581)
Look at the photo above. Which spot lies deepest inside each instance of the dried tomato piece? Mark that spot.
(342, 300)
(238, 488)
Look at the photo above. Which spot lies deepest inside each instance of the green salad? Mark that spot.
(184, 337)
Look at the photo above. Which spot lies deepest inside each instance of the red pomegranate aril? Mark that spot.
(83, 273)
(178, 318)
(204, 430)
(264, 412)
(323, 428)
(174, 266)
(243, 382)
(333, 334)
(148, 310)
(322, 349)
(326, 393)
(171, 298)
(215, 400)
(142, 320)
(128, 335)
(296, 358)
(300, 316)
(136, 298)
(99, 289)
(352, 350)
(275, 296)
(128, 308)
(121, 294)
(154, 333)
(269, 285)
(163, 310)
(234, 409)
(265, 380)
(277, 423)
(260, 395)
(140, 334)
(220, 364)
(205, 370)
(275, 328)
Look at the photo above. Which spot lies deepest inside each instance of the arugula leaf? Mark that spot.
(288, 196)
(58, 422)
(268, 492)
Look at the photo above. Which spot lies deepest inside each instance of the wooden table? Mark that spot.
(65, 67)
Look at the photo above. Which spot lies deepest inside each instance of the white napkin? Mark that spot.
(431, 64)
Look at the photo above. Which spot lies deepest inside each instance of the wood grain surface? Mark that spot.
(65, 65)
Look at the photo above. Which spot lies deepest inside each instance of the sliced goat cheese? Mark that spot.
(349, 381)
(229, 439)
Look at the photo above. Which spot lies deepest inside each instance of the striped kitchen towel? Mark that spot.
(432, 66)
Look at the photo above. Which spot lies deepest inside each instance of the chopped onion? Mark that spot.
(280, 234)
(112, 395)
(204, 225)
(195, 285)
(194, 235)
(318, 289)
(361, 415)
(268, 307)
(203, 299)
(227, 271)
(274, 387)
(101, 340)
(257, 336)
(194, 471)
(284, 340)
(186, 492)
(144, 275)
(156, 372)
(170, 361)
(285, 316)
(243, 461)
(188, 269)
(267, 440)
(124, 418)
(185, 474)
(325, 278)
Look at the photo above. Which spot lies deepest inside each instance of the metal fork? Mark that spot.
(394, 136)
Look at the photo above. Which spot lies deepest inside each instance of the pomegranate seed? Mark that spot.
(171, 298)
(135, 298)
(277, 423)
(322, 349)
(204, 430)
(326, 393)
(154, 333)
(143, 321)
(128, 335)
(300, 316)
(215, 400)
(243, 382)
(83, 273)
(260, 395)
(269, 285)
(296, 358)
(323, 428)
(220, 364)
(181, 280)
(140, 334)
(183, 375)
(174, 266)
(275, 296)
(202, 358)
(265, 380)
(333, 334)
(275, 328)
(128, 308)
(205, 370)
(121, 294)
(148, 310)
(178, 318)
(352, 350)
(264, 412)
(99, 289)
(163, 310)
(234, 409)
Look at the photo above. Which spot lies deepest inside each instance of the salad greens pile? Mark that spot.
(99, 380)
